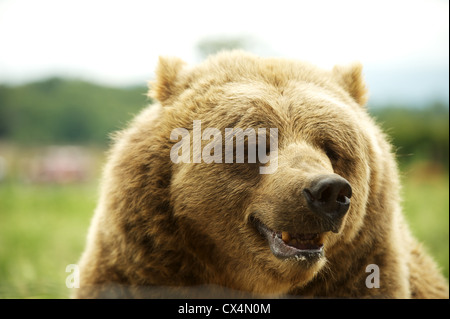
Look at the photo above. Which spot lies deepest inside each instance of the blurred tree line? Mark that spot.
(57, 111)
(418, 134)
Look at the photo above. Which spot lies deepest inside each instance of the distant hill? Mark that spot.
(66, 111)
(418, 134)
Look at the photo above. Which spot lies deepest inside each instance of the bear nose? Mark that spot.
(329, 196)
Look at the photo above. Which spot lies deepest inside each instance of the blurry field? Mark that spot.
(43, 229)
(426, 206)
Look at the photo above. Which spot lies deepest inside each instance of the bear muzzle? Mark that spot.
(327, 199)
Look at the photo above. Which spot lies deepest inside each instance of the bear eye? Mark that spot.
(332, 154)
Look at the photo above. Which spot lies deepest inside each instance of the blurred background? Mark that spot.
(72, 72)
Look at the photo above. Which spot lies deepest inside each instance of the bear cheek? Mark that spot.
(209, 192)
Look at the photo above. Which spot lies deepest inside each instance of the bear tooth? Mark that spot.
(285, 236)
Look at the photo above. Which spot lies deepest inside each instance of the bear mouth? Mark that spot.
(284, 245)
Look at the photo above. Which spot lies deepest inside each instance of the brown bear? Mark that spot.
(175, 218)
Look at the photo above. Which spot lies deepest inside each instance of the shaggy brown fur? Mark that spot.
(163, 229)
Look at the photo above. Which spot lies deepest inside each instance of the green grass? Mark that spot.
(43, 229)
(426, 207)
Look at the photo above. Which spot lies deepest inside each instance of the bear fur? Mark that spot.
(165, 229)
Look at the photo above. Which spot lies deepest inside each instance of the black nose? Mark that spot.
(329, 196)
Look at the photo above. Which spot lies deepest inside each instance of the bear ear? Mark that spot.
(351, 79)
(167, 75)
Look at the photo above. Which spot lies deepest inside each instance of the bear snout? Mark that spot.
(328, 196)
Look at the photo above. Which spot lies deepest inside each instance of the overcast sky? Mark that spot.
(118, 42)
